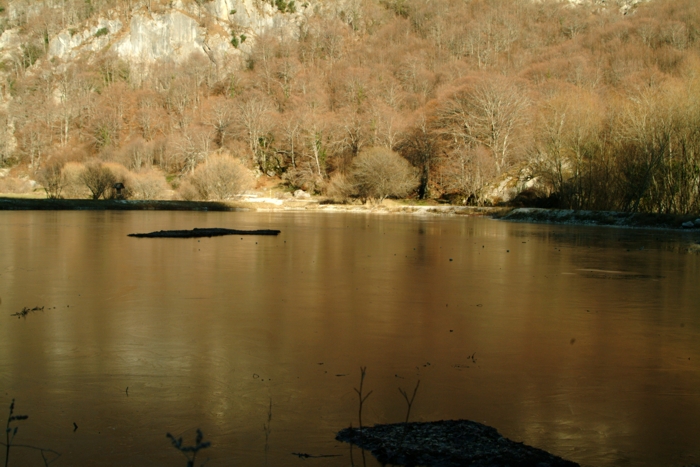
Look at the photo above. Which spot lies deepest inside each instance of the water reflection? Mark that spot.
(575, 340)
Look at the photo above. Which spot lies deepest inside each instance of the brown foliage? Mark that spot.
(220, 177)
(148, 184)
(52, 178)
(596, 104)
(378, 173)
(97, 178)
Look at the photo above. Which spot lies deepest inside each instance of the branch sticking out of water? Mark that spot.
(409, 403)
(362, 399)
(190, 452)
(267, 429)
(11, 432)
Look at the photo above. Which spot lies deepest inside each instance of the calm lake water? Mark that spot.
(582, 341)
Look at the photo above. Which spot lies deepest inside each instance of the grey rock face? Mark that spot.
(179, 32)
(67, 45)
(170, 35)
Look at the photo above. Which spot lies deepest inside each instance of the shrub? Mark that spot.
(147, 185)
(73, 186)
(97, 178)
(102, 32)
(52, 178)
(221, 177)
(304, 177)
(14, 185)
(187, 191)
(378, 173)
(339, 187)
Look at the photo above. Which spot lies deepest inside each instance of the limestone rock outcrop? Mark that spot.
(217, 30)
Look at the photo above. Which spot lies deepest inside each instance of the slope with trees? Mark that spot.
(581, 106)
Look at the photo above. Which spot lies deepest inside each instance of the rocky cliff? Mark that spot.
(217, 30)
(148, 31)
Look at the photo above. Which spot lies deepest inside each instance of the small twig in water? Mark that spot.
(8, 439)
(10, 434)
(190, 452)
(352, 461)
(362, 399)
(409, 403)
(266, 428)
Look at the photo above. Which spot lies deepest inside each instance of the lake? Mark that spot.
(583, 341)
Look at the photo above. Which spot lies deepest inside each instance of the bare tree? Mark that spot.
(253, 120)
(379, 172)
(191, 147)
(465, 172)
(52, 178)
(420, 146)
(5, 137)
(97, 178)
(220, 117)
(489, 112)
(291, 135)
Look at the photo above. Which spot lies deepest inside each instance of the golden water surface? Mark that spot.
(582, 341)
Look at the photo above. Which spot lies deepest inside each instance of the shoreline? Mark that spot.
(689, 223)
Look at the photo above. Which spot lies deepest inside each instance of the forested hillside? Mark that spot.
(589, 106)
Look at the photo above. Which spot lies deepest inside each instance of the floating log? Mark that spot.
(197, 233)
(447, 443)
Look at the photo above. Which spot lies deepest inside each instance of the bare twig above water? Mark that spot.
(409, 402)
(11, 432)
(190, 452)
(361, 398)
(267, 429)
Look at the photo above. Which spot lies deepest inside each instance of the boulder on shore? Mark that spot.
(301, 194)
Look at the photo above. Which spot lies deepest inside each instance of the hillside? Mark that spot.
(588, 104)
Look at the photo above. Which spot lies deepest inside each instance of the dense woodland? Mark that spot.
(598, 110)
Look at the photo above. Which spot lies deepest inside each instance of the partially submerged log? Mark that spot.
(197, 233)
(447, 443)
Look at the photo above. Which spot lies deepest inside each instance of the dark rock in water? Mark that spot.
(447, 443)
(196, 233)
